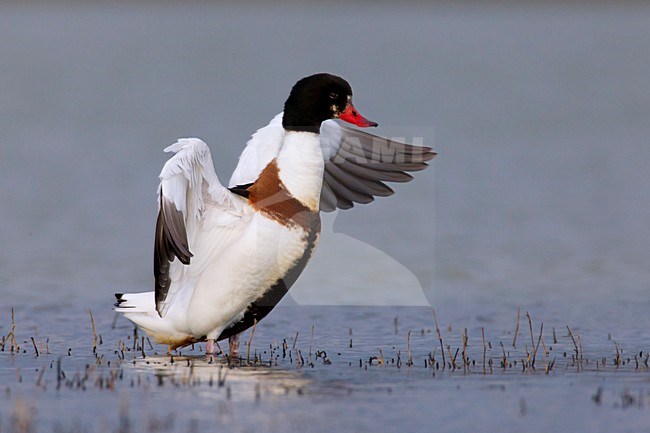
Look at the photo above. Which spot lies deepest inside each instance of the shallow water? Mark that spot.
(539, 198)
(329, 380)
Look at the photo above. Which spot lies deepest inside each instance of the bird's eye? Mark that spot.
(334, 95)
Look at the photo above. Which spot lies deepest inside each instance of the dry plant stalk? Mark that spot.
(514, 340)
(409, 361)
(539, 340)
(14, 343)
(92, 322)
(532, 335)
(546, 352)
(442, 347)
(464, 354)
(35, 348)
(575, 345)
(549, 366)
(11, 336)
(452, 358)
(580, 346)
(311, 339)
(618, 354)
(484, 347)
(250, 340)
(505, 358)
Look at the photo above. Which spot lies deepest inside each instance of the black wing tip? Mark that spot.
(185, 258)
(241, 190)
(172, 230)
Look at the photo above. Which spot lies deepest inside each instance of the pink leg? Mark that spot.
(211, 347)
(233, 343)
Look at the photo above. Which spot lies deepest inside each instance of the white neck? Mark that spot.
(301, 166)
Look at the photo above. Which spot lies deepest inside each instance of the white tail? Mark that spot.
(135, 302)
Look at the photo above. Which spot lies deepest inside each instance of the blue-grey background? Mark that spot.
(540, 195)
(540, 115)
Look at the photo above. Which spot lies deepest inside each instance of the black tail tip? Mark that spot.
(120, 299)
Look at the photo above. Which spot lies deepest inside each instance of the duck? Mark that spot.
(224, 256)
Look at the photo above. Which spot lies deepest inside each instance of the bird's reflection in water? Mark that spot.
(235, 379)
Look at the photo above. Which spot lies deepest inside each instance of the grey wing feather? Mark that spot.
(170, 242)
(327, 199)
(358, 163)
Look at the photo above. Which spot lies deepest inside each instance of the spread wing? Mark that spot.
(357, 165)
(262, 147)
(189, 187)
